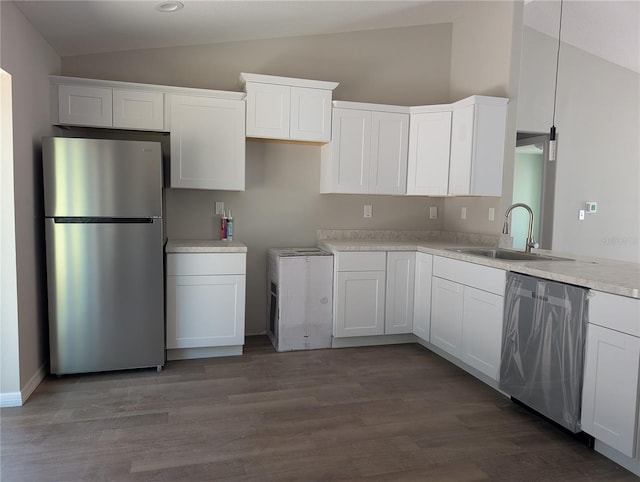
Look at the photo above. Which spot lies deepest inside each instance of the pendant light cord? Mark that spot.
(555, 90)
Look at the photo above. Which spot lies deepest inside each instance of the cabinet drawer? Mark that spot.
(361, 261)
(616, 312)
(180, 264)
(470, 274)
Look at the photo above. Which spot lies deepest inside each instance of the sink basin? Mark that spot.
(507, 254)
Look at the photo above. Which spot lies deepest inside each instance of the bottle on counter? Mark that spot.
(230, 226)
(223, 226)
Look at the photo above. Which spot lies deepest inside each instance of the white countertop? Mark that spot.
(204, 246)
(616, 277)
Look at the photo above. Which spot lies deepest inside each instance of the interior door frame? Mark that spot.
(548, 187)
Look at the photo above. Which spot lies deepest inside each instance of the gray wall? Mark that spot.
(598, 159)
(29, 60)
(403, 66)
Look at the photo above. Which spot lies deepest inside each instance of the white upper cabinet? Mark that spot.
(207, 142)
(287, 108)
(477, 146)
(134, 109)
(96, 103)
(84, 106)
(368, 151)
(429, 150)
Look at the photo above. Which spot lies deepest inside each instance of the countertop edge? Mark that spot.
(551, 270)
(175, 246)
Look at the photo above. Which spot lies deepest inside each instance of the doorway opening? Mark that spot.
(534, 180)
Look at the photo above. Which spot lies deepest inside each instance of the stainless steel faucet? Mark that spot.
(505, 228)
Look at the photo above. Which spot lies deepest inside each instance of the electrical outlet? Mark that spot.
(219, 208)
(463, 213)
(433, 212)
(368, 211)
(492, 214)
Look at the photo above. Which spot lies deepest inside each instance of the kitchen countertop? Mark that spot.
(204, 246)
(610, 276)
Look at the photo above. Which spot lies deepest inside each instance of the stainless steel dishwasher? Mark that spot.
(543, 347)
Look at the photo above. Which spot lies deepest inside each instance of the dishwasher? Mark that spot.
(543, 342)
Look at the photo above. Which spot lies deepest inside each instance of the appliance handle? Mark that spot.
(102, 220)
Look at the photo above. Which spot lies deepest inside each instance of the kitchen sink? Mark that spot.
(507, 254)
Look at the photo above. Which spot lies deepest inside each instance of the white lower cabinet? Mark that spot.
(401, 274)
(467, 305)
(446, 315)
(610, 397)
(359, 303)
(422, 296)
(373, 293)
(205, 299)
(482, 314)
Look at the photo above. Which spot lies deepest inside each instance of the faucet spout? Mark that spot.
(530, 243)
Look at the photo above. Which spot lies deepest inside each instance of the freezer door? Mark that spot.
(106, 298)
(101, 178)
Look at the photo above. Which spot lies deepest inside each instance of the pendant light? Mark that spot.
(552, 134)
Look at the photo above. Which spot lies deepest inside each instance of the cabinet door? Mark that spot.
(207, 143)
(268, 110)
(482, 331)
(205, 311)
(477, 149)
(85, 106)
(134, 109)
(422, 296)
(446, 315)
(350, 151)
(429, 149)
(389, 147)
(310, 115)
(360, 297)
(401, 274)
(461, 150)
(610, 389)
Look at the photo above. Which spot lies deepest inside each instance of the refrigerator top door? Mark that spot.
(101, 178)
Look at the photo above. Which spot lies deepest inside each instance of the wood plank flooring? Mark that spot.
(397, 413)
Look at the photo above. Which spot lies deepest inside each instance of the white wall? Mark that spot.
(29, 59)
(485, 60)
(9, 354)
(597, 121)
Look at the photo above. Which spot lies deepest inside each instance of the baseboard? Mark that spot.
(356, 341)
(203, 352)
(631, 464)
(17, 399)
(34, 381)
(10, 399)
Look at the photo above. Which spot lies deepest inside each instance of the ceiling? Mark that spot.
(607, 28)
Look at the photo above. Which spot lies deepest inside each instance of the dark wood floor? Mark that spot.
(376, 413)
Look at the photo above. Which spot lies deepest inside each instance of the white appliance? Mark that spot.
(299, 311)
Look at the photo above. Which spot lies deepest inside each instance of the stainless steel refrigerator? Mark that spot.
(104, 239)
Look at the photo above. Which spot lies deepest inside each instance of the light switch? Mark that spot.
(492, 214)
(581, 215)
(368, 211)
(433, 212)
(463, 213)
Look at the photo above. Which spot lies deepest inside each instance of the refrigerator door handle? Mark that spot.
(68, 220)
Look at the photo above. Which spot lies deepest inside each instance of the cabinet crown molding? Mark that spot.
(288, 81)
